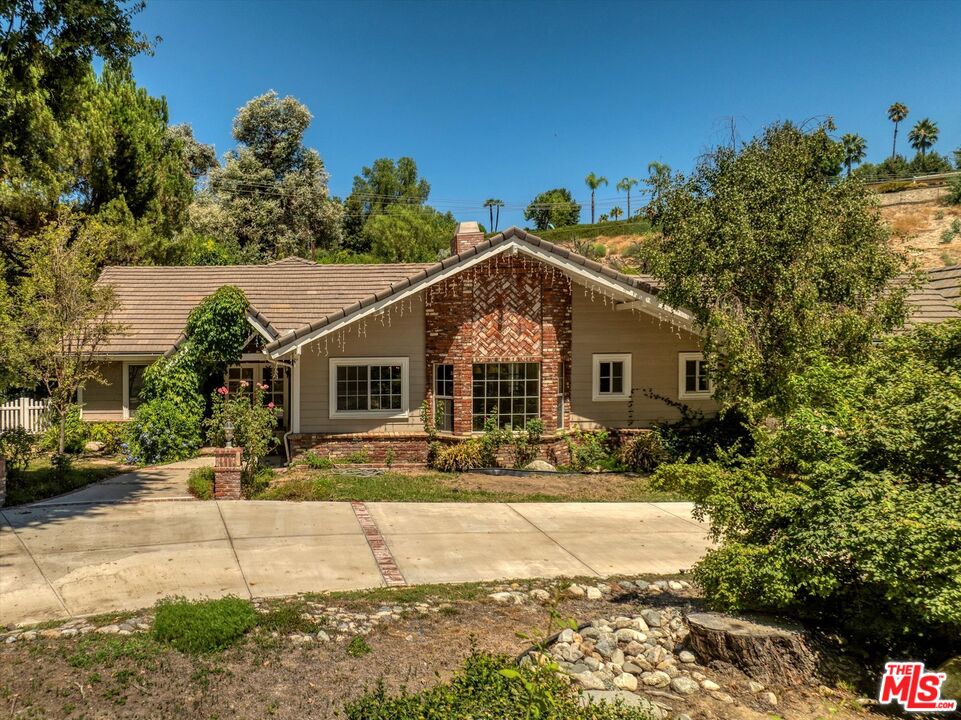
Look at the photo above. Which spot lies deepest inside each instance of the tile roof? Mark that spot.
(155, 301)
(938, 298)
(293, 297)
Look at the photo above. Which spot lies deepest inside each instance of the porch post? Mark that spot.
(295, 393)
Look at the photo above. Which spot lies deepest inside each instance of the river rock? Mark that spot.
(684, 686)
(625, 681)
(657, 679)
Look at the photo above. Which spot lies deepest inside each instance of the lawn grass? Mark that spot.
(40, 481)
(331, 485)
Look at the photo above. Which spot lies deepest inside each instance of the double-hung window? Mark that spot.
(612, 377)
(368, 387)
(692, 378)
(444, 397)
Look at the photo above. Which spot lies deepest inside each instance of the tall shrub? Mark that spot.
(849, 510)
(168, 422)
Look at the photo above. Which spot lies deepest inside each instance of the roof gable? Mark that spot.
(636, 292)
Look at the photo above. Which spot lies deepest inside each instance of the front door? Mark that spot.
(274, 377)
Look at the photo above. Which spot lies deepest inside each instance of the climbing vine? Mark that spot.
(168, 422)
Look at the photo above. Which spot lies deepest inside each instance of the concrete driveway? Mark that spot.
(95, 552)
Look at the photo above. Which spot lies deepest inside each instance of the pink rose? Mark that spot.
(222, 390)
(271, 405)
(244, 383)
(263, 386)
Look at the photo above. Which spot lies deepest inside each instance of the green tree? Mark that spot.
(625, 185)
(138, 169)
(932, 162)
(491, 204)
(774, 261)
(61, 315)
(848, 511)
(553, 208)
(616, 213)
(8, 336)
(385, 183)
(897, 113)
(923, 135)
(270, 198)
(957, 159)
(46, 50)
(658, 181)
(593, 182)
(405, 233)
(855, 149)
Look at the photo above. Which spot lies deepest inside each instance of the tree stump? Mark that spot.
(768, 650)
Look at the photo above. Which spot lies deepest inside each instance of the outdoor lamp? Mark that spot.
(229, 433)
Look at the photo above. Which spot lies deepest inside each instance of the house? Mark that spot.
(511, 325)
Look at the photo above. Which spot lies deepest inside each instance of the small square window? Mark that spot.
(612, 377)
(693, 379)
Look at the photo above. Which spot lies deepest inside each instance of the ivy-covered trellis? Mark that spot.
(170, 417)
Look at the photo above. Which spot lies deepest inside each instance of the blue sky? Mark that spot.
(507, 99)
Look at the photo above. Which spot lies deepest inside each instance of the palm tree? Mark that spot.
(923, 135)
(593, 182)
(854, 149)
(498, 204)
(616, 212)
(896, 113)
(626, 184)
(490, 204)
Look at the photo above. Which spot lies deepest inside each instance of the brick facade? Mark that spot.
(507, 309)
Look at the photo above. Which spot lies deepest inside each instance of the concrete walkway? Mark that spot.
(95, 551)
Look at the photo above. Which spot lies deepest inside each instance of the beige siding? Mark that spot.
(105, 401)
(404, 337)
(654, 347)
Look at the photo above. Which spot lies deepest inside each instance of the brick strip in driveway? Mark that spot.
(378, 546)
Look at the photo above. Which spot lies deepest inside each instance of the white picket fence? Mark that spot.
(23, 412)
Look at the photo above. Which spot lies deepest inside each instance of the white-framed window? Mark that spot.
(132, 385)
(511, 391)
(692, 379)
(444, 397)
(368, 387)
(612, 377)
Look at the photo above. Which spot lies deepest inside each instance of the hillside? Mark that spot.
(922, 225)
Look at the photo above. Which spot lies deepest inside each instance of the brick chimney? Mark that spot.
(466, 236)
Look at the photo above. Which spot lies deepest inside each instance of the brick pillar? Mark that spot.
(3, 481)
(227, 470)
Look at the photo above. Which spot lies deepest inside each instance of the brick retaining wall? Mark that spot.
(408, 448)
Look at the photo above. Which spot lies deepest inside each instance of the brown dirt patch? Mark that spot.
(919, 228)
(601, 487)
(282, 680)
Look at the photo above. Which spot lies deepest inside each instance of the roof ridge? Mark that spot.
(510, 233)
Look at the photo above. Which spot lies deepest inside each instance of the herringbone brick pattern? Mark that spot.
(507, 316)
